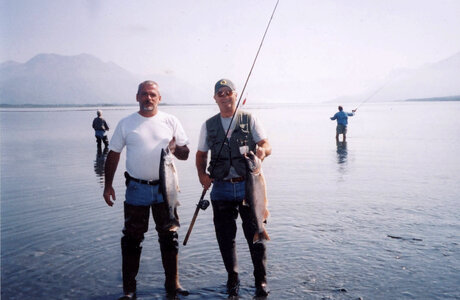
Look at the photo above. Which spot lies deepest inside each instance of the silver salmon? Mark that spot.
(256, 195)
(169, 186)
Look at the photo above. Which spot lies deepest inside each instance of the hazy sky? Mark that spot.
(315, 50)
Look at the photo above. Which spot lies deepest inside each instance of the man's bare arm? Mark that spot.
(201, 161)
(111, 164)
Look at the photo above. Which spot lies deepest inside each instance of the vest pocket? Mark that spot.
(244, 128)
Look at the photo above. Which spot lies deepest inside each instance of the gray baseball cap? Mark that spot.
(223, 82)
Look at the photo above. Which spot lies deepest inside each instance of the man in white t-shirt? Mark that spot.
(144, 134)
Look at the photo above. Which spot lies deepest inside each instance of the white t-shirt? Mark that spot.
(144, 138)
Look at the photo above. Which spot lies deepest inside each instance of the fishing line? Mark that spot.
(372, 95)
(378, 90)
(203, 204)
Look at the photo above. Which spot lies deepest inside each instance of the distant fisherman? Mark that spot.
(100, 127)
(228, 180)
(342, 122)
(145, 133)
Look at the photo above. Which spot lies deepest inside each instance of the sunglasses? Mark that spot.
(224, 93)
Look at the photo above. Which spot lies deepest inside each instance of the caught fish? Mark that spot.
(169, 185)
(256, 195)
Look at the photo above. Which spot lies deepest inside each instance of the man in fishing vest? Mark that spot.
(145, 133)
(100, 127)
(226, 174)
(342, 122)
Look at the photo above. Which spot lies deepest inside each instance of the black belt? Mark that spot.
(235, 179)
(149, 182)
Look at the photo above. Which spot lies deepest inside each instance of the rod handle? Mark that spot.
(195, 215)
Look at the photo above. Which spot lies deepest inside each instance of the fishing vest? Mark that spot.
(230, 154)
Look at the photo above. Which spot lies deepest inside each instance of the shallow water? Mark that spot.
(377, 218)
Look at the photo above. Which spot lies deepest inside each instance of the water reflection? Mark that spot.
(99, 164)
(342, 152)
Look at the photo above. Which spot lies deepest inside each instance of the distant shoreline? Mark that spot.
(60, 105)
(86, 105)
(119, 105)
(435, 99)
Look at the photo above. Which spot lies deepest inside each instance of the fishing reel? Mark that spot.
(203, 204)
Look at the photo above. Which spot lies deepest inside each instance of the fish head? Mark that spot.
(253, 163)
(165, 151)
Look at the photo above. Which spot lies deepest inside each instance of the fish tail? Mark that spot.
(173, 225)
(265, 235)
(256, 238)
(260, 236)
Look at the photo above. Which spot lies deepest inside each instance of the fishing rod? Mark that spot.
(203, 204)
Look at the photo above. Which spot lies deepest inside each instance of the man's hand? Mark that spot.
(109, 192)
(263, 149)
(260, 153)
(205, 181)
(181, 152)
(354, 110)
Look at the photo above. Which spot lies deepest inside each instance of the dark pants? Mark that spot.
(136, 224)
(225, 215)
(102, 139)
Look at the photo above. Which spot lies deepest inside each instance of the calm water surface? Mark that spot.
(376, 218)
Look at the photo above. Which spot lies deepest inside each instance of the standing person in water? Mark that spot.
(342, 122)
(100, 127)
(145, 133)
(228, 181)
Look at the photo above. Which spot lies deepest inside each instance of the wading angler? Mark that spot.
(237, 187)
(151, 137)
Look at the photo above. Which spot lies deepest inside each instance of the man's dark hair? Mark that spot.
(340, 108)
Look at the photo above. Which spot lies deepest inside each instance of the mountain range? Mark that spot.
(430, 81)
(51, 79)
